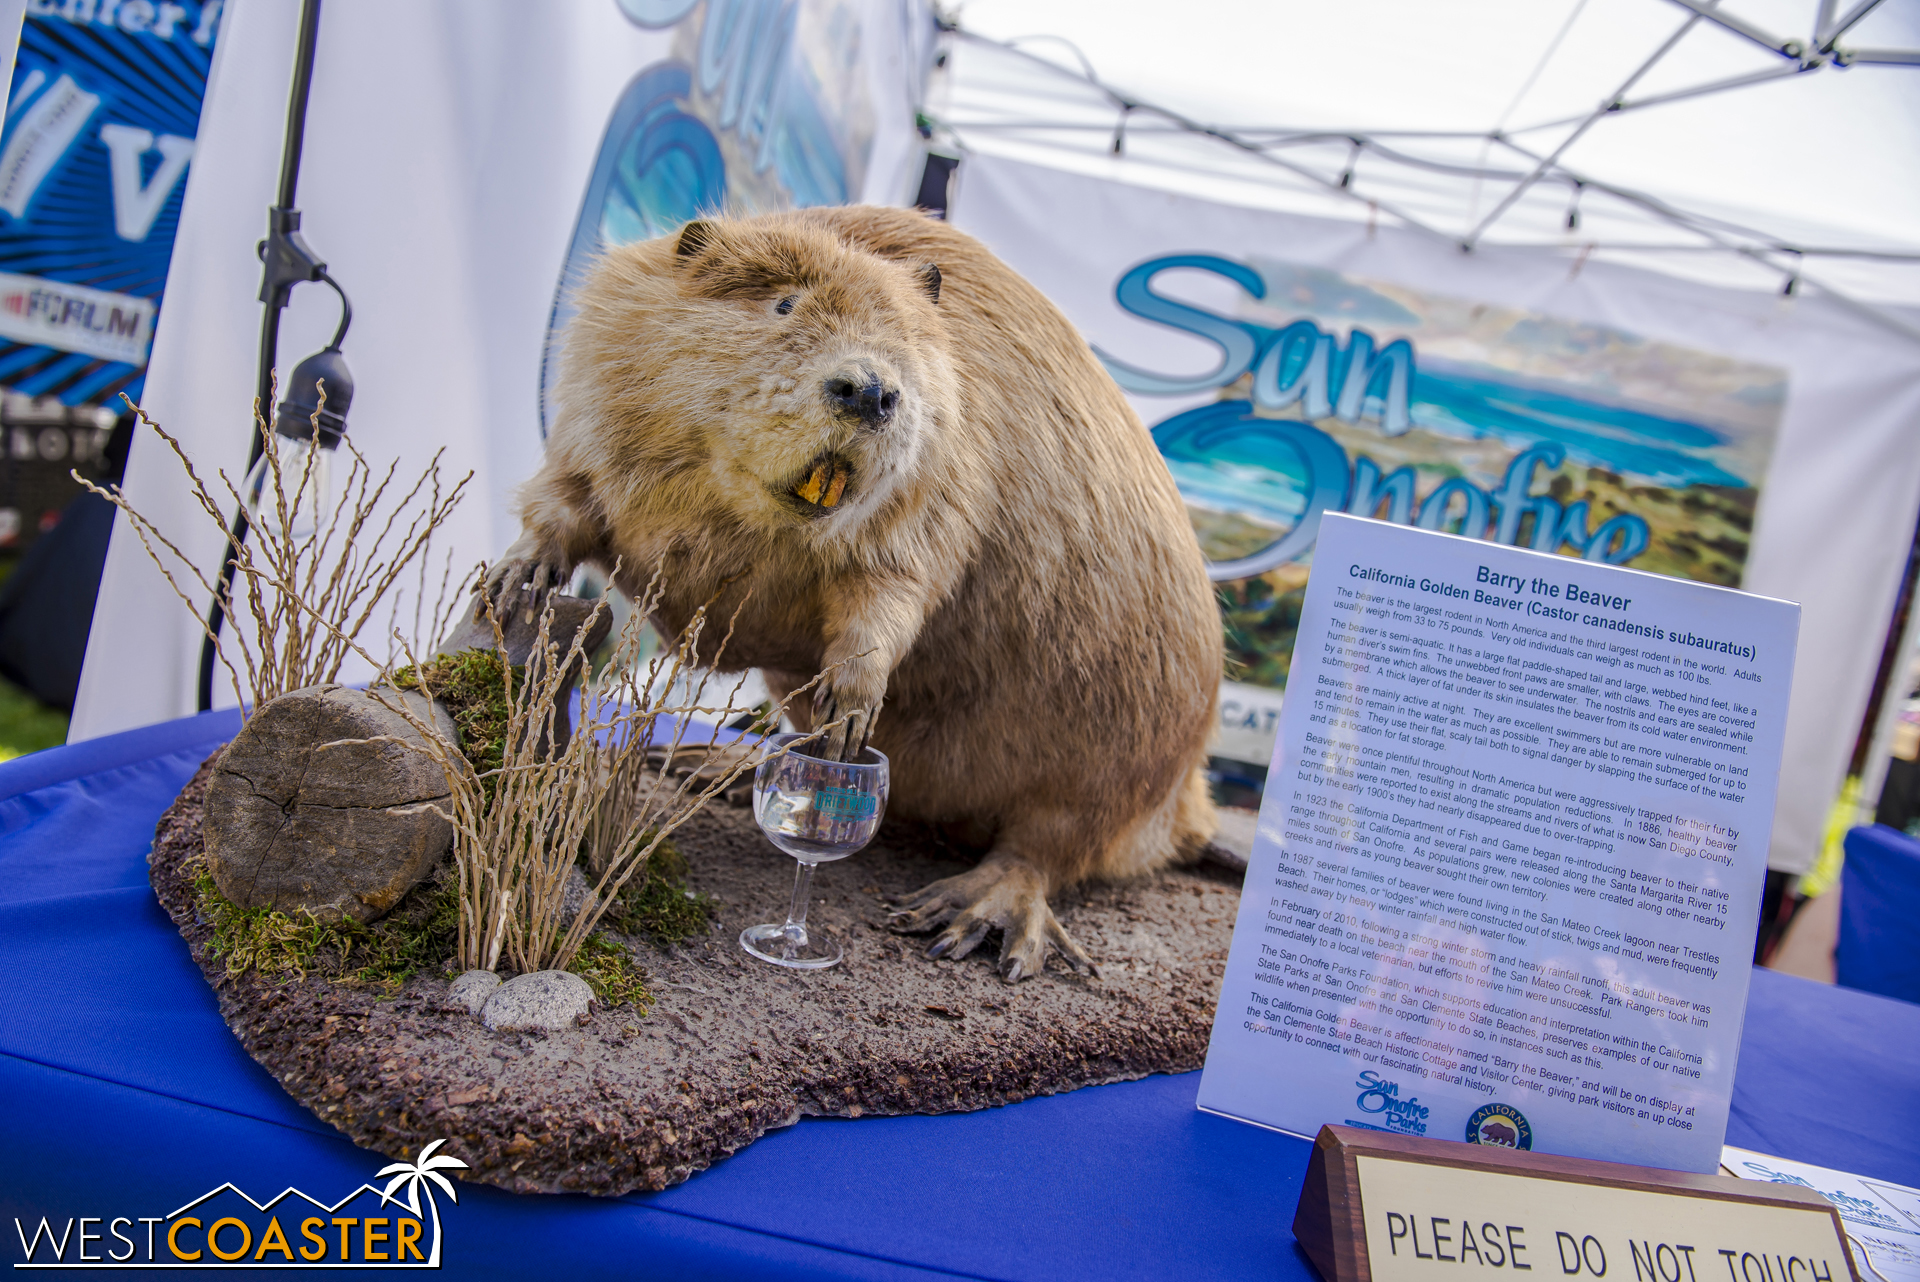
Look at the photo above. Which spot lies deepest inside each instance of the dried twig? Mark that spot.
(605, 798)
(608, 797)
(306, 594)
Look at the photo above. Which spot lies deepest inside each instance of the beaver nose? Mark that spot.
(869, 400)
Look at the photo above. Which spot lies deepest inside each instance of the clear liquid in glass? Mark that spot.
(817, 811)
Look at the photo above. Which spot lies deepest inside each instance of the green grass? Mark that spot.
(26, 724)
(418, 935)
(611, 972)
(472, 686)
(423, 928)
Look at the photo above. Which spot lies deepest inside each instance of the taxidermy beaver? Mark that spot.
(906, 462)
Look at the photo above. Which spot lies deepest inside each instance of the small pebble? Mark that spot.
(471, 990)
(545, 1000)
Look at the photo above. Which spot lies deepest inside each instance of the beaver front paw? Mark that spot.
(846, 721)
(1003, 895)
(521, 583)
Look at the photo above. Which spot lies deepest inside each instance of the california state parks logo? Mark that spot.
(1500, 1124)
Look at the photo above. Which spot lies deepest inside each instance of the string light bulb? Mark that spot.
(307, 428)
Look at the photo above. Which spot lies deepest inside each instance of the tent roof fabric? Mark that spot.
(1763, 144)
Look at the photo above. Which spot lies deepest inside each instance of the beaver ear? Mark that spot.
(929, 277)
(694, 237)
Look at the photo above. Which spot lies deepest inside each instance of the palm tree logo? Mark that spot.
(415, 1175)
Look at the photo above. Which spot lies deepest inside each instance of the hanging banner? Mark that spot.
(1335, 393)
(1340, 394)
(101, 120)
(1291, 367)
(1343, 394)
(101, 117)
(755, 109)
(464, 161)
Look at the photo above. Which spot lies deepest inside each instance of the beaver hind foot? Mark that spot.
(1007, 895)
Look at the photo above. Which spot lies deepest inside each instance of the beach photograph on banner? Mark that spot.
(1340, 394)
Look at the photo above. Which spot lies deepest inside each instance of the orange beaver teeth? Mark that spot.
(824, 485)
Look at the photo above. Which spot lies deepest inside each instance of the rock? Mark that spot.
(579, 897)
(544, 1000)
(521, 629)
(342, 831)
(520, 632)
(471, 990)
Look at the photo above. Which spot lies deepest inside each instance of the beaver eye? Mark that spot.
(785, 305)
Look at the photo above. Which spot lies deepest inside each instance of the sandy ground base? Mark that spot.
(734, 1047)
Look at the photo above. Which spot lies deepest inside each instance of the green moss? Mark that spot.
(419, 934)
(609, 969)
(656, 903)
(472, 686)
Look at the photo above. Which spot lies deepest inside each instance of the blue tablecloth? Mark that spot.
(122, 1089)
(1878, 950)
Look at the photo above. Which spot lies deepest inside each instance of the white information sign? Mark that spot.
(1882, 1218)
(1508, 867)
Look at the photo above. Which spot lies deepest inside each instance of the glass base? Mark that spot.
(804, 949)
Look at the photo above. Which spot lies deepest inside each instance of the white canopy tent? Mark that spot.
(1746, 142)
(1764, 149)
(1796, 185)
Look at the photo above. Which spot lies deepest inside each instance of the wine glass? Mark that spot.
(817, 811)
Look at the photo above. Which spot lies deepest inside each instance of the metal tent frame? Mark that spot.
(1413, 176)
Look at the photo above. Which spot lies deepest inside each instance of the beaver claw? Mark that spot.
(1003, 895)
(522, 583)
(848, 739)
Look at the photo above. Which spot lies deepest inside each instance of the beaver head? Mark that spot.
(768, 372)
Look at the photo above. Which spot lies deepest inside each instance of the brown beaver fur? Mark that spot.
(906, 462)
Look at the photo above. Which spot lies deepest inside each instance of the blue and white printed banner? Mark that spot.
(1291, 367)
(464, 162)
(101, 119)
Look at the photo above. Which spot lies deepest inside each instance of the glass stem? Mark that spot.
(796, 928)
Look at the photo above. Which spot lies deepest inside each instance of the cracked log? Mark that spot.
(296, 819)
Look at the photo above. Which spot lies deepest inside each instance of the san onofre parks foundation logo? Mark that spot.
(368, 1228)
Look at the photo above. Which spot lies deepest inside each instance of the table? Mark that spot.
(1879, 945)
(123, 1089)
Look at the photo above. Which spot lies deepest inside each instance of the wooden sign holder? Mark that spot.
(1330, 1221)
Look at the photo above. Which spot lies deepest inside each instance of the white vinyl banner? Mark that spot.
(463, 160)
(1291, 367)
(1510, 854)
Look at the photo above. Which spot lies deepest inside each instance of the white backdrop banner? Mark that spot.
(1293, 366)
(463, 160)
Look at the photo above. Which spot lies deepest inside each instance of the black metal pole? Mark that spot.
(286, 260)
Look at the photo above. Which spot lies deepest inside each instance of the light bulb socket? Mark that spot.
(296, 416)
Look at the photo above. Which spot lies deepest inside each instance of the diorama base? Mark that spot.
(734, 1047)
